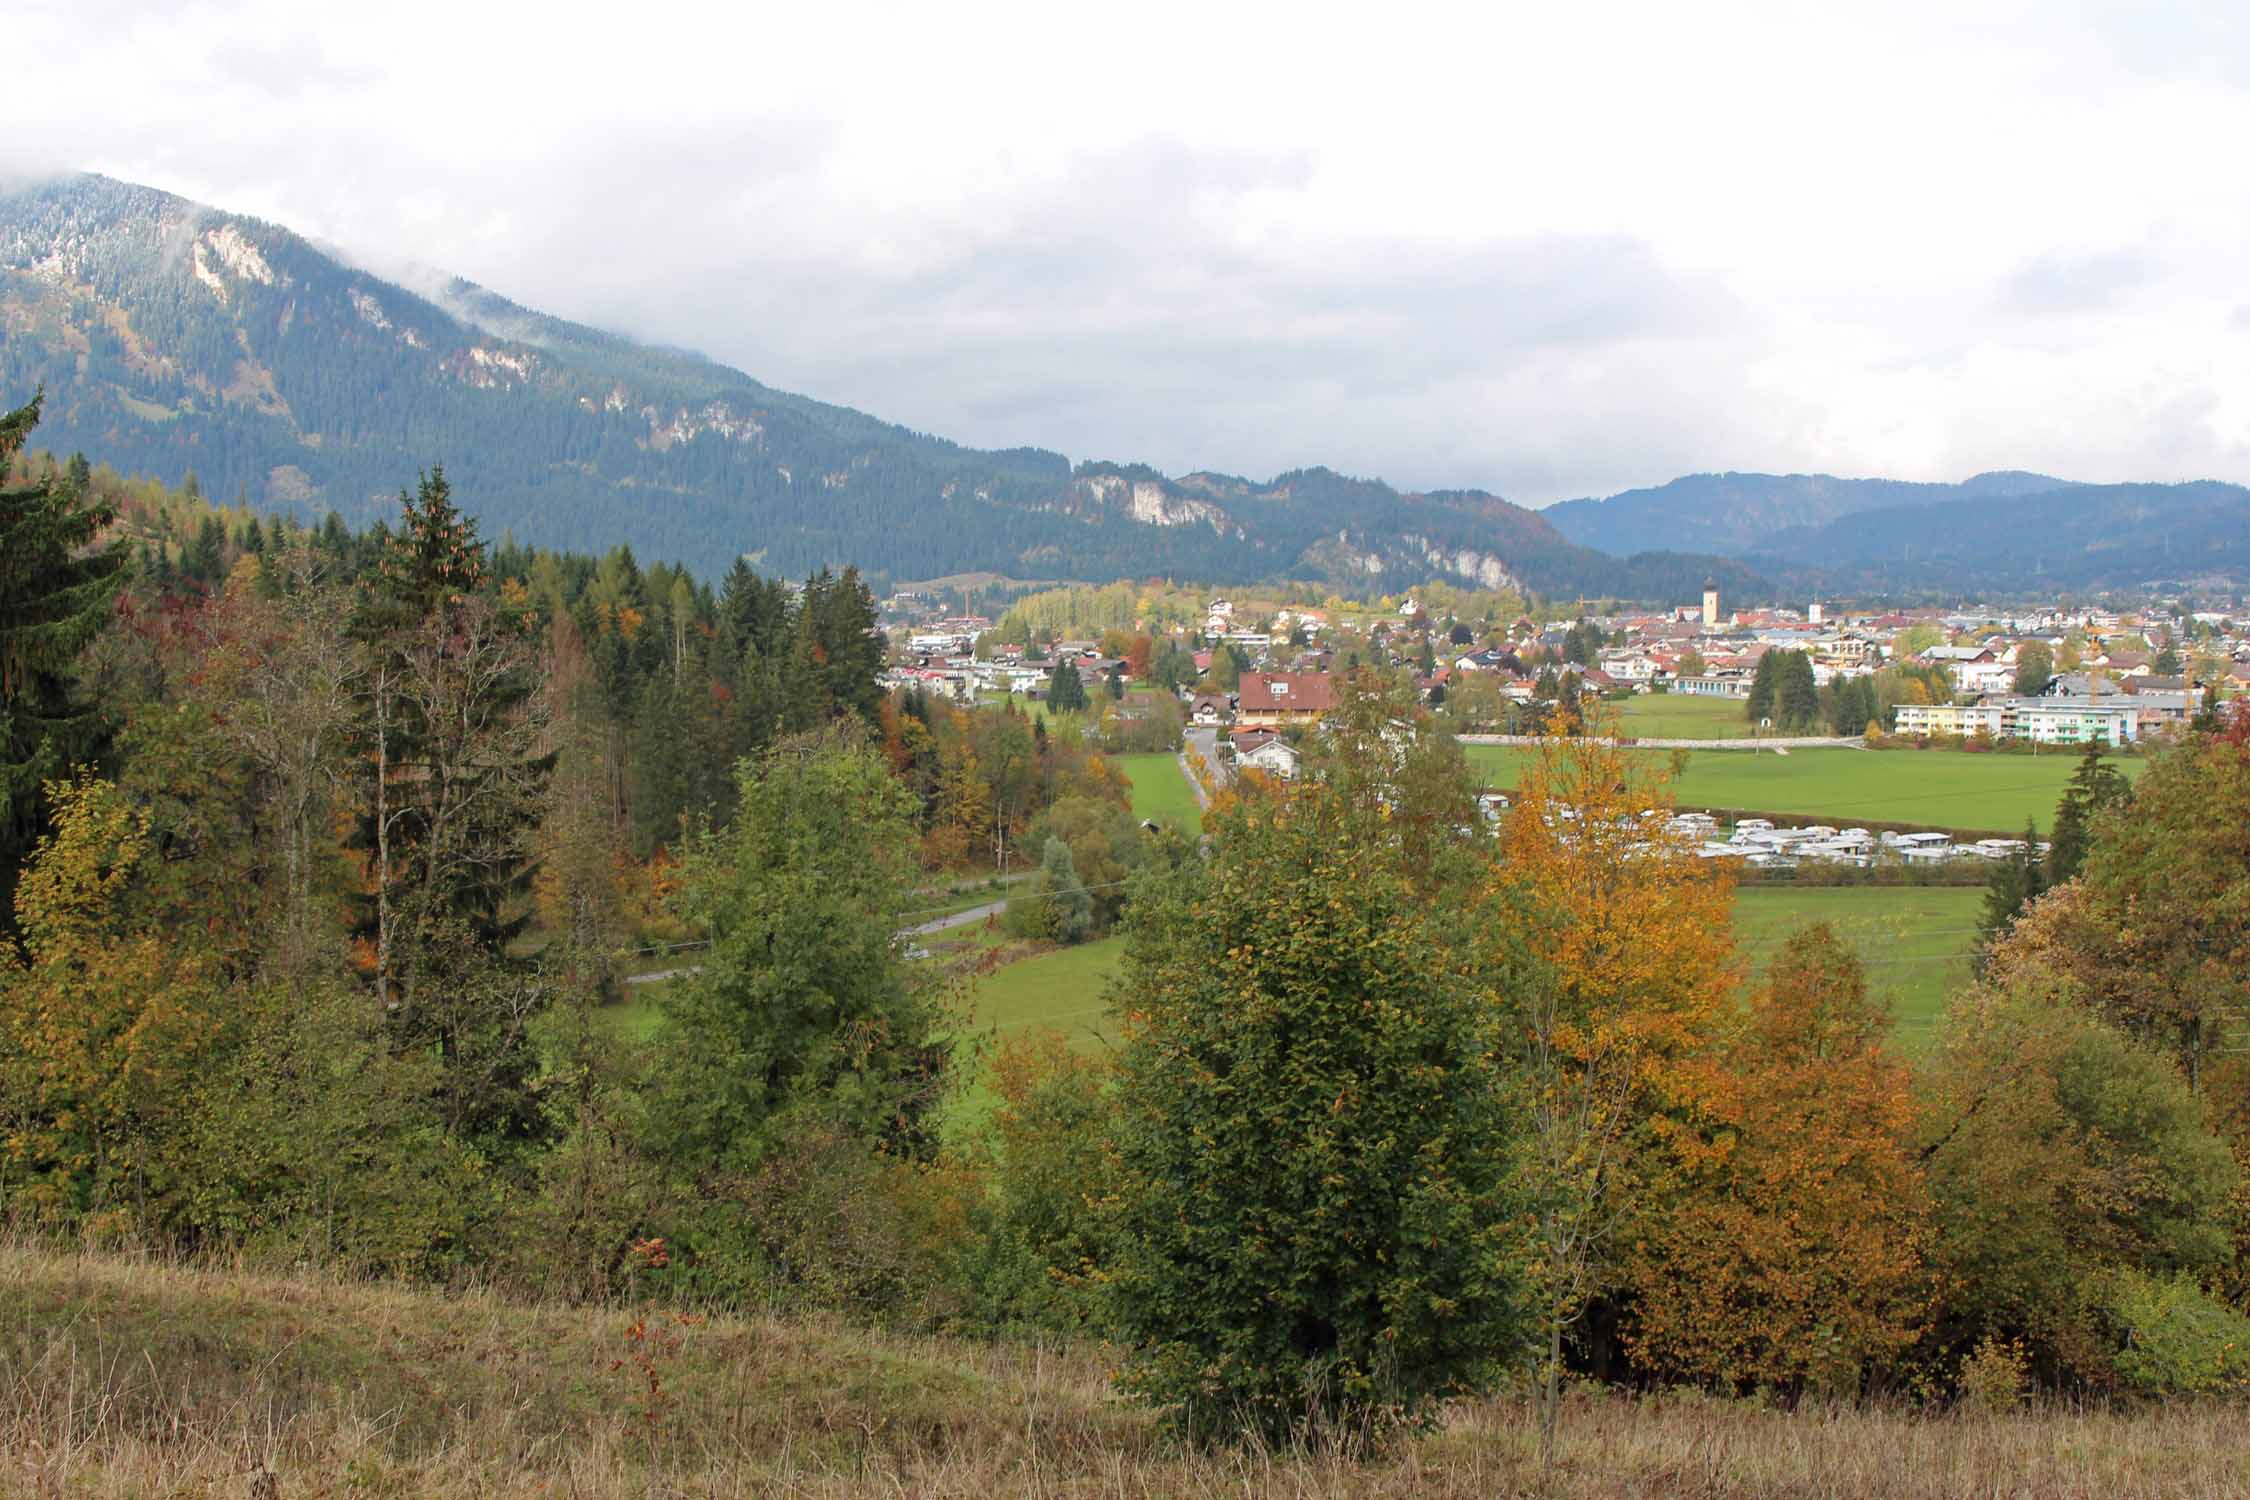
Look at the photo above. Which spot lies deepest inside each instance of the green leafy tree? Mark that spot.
(804, 1006)
(56, 592)
(2035, 668)
(1106, 847)
(2059, 1152)
(2169, 905)
(102, 1025)
(1314, 1132)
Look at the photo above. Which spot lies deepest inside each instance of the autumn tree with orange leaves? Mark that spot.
(1794, 1255)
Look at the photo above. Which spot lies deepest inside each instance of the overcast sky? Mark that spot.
(1549, 250)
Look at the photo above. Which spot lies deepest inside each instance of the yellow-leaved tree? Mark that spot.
(100, 1026)
(1633, 966)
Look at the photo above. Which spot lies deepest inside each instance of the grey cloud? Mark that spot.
(2062, 284)
(1113, 314)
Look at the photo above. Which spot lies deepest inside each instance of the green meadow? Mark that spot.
(1941, 788)
(1161, 792)
(1915, 942)
(1676, 716)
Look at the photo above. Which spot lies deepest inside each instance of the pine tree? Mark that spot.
(56, 589)
(2095, 786)
(1066, 692)
(2014, 884)
(1800, 698)
(1763, 688)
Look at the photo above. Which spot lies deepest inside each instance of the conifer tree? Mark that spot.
(1764, 689)
(2014, 884)
(1066, 693)
(452, 791)
(2095, 786)
(1799, 698)
(56, 589)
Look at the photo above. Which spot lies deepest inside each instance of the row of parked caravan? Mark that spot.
(1756, 842)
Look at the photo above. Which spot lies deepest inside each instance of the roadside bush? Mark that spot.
(1106, 847)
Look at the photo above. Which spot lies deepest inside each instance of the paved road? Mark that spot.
(957, 919)
(1203, 744)
(1778, 745)
(919, 929)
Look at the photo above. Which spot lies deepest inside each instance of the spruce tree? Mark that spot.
(2014, 884)
(1799, 698)
(1763, 689)
(205, 561)
(1066, 693)
(56, 589)
(458, 803)
(2094, 786)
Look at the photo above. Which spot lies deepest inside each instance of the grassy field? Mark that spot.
(1676, 716)
(127, 1377)
(1942, 788)
(1914, 940)
(1062, 989)
(1161, 791)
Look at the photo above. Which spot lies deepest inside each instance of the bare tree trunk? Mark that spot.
(382, 840)
(1550, 1399)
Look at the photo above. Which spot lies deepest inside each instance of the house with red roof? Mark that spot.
(1283, 700)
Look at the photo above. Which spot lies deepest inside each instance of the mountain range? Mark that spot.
(172, 337)
(2006, 530)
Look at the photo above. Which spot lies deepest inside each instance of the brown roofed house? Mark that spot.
(1279, 700)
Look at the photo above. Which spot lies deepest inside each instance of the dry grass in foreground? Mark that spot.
(123, 1378)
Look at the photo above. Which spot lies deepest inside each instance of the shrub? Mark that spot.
(1995, 1375)
(1313, 1129)
(1045, 1228)
(2173, 1340)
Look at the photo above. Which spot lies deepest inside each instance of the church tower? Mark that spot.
(1710, 604)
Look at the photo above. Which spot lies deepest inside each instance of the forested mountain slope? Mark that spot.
(172, 337)
(2083, 536)
(1734, 514)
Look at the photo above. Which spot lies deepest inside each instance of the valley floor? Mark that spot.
(121, 1377)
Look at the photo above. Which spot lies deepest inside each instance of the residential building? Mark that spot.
(1281, 700)
(1262, 750)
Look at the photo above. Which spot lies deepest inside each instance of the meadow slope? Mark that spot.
(123, 1377)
